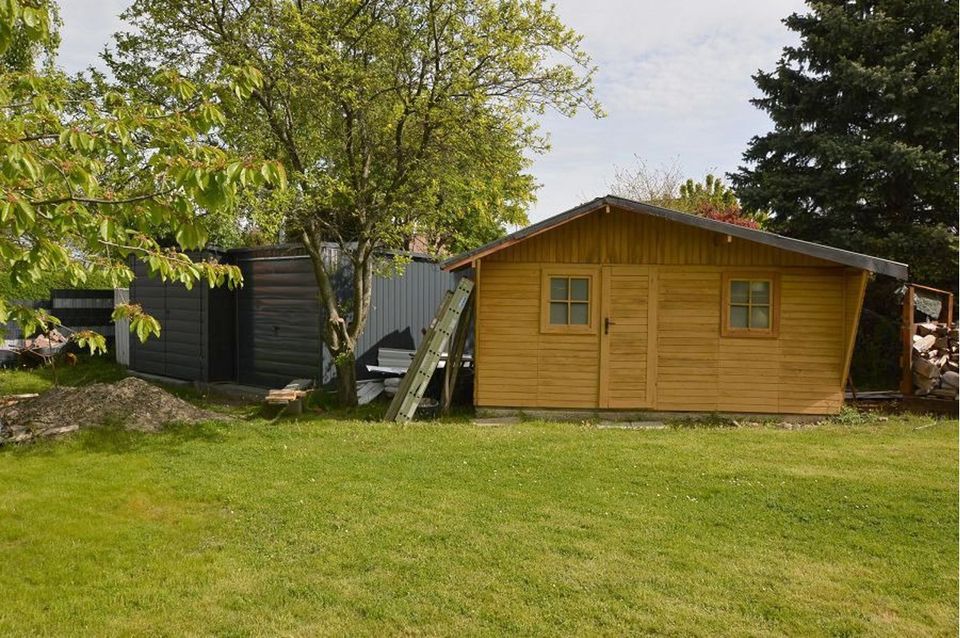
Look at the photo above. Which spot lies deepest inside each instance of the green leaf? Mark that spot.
(143, 326)
(106, 229)
(30, 17)
(25, 216)
(30, 166)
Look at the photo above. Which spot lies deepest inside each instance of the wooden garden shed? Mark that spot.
(620, 305)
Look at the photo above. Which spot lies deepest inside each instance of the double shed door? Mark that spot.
(621, 342)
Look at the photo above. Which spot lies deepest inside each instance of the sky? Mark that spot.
(673, 77)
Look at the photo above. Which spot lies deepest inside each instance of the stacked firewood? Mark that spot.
(935, 358)
(285, 396)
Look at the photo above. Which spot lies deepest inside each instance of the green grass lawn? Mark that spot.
(322, 526)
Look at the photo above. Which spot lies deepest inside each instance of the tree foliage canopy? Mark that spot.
(863, 153)
(91, 179)
(664, 186)
(396, 119)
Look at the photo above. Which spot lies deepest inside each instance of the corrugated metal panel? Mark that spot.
(401, 308)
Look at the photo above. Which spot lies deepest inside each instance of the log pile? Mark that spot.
(935, 359)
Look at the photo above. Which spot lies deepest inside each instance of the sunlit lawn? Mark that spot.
(347, 527)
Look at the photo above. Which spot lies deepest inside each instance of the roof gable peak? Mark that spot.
(821, 251)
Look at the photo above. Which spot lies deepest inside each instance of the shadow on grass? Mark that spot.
(322, 405)
(89, 369)
(115, 439)
(714, 420)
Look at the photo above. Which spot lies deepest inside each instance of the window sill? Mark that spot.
(740, 333)
(568, 330)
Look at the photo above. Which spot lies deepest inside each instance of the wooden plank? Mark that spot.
(653, 308)
(906, 340)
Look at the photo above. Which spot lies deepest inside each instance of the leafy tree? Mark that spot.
(395, 119)
(715, 200)
(712, 191)
(664, 187)
(863, 152)
(89, 181)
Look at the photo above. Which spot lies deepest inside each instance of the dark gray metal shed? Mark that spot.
(272, 324)
(278, 317)
(196, 341)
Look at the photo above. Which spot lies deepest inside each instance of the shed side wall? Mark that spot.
(279, 316)
(179, 350)
(401, 308)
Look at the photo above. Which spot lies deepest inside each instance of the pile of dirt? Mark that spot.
(131, 403)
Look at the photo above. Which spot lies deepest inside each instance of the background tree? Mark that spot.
(657, 185)
(395, 118)
(715, 200)
(65, 211)
(863, 154)
(664, 186)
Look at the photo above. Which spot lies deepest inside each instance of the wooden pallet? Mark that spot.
(424, 364)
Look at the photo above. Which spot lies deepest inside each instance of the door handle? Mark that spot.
(606, 325)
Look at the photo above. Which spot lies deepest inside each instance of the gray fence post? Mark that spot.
(121, 333)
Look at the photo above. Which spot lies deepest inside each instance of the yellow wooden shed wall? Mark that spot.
(696, 369)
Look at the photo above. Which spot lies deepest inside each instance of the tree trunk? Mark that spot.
(346, 364)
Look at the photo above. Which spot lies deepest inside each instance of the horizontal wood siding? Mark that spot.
(688, 339)
(522, 367)
(695, 368)
(508, 319)
(569, 371)
(811, 341)
(798, 372)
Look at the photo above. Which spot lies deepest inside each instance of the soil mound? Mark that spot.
(132, 403)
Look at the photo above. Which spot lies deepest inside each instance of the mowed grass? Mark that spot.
(320, 526)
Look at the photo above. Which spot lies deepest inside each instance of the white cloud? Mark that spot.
(675, 81)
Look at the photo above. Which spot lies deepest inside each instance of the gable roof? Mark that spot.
(828, 253)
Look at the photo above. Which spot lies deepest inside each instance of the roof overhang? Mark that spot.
(827, 253)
